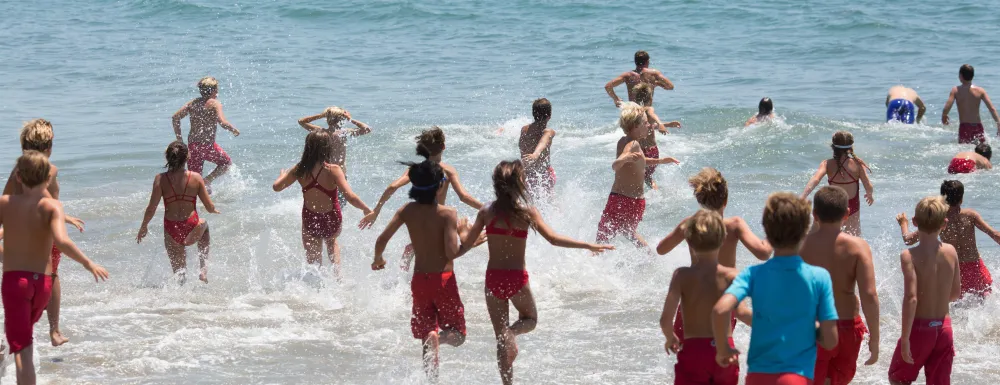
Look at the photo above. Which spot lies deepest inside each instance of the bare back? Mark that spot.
(961, 233)
(968, 97)
(204, 120)
(701, 287)
(847, 177)
(181, 183)
(530, 136)
(936, 268)
(426, 225)
(644, 76)
(901, 92)
(838, 253)
(981, 162)
(315, 199)
(506, 252)
(629, 178)
(28, 220)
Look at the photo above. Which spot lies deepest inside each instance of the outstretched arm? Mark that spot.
(610, 89)
(57, 224)
(471, 238)
(985, 227)
(904, 227)
(285, 179)
(627, 156)
(383, 239)
(947, 106)
(176, 120)
(663, 82)
(463, 195)
(921, 109)
(993, 110)
(363, 129)
(154, 200)
(671, 240)
(865, 273)
(345, 188)
(760, 249)
(223, 121)
(369, 219)
(306, 122)
(560, 240)
(543, 143)
(670, 306)
(814, 181)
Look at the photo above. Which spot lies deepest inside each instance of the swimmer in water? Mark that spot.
(335, 116)
(37, 135)
(642, 74)
(430, 145)
(34, 221)
(506, 222)
(968, 97)
(535, 144)
(765, 113)
(968, 161)
(180, 189)
(438, 314)
(320, 180)
(644, 97)
(845, 170)
(206, 115)
(930, 283)
(902, 104)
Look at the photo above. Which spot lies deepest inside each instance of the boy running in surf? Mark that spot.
(968, 96)
(535, 144)
(206, 115)
(961, 234)
(642, 74)
(969, 161)
(848, 259)
(644, 97)
(930, 282)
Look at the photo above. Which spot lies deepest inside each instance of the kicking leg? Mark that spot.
(432, 349)
(195, 235)
(499, 310)
(219, 171)
(177, 256)
(204, 244)
(53, 312)
(333, 250)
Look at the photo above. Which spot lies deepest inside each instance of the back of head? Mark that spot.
(643, 94)
(710, 188)
(705, 231)
(967, 72)
(425, 179)
(208, 86)
(177, 156)
(334, 114)
(33, 168)
(541, 110)
(430, 142)
(319, 146)
(508, 185)
(985, 150)
(786, 219)
(36, 135)
(641, 58)
(953, 192)
(765, 107)
(631, 116)
(830, 204)
(930, 215)
(842, 143)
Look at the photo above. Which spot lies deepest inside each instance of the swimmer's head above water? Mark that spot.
(511, 194)
(176, 155)
(930, 214)
(953, 192)
(765, 107)
(334, 115)
(843, 145)
(985, 150)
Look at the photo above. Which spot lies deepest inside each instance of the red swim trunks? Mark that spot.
(679, 323)
(932, 347)
(436, 304)
(322, 225)
(504, 284)
(179, 230)
(841, 363)
(696, 364)
(25, 295)
(199, 153)
(621, 217)
(56, 257)
(543, 182)
(777, 379)
(976, 278)
(971, 133)
(961, 166)
(652, 152)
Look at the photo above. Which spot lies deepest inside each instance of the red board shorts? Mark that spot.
(961, 166)
(971, 133)
(199, 153)
(976, 278)
(621, 217)
(652, 152)
(841, 363)
(777, 379)
(436, 304)
(932, 347)
(504, 284)
(25, 295)
(696, 364)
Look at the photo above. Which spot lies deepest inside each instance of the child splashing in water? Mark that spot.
(320, 180)
(847, 171)
(180, 189)
(506, 222)
(644, 97)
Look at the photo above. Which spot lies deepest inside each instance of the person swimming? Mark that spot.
(969, 161)
(902, 104)
(765, 112)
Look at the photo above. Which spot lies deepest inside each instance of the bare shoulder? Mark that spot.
(970, 213)
(549, 132)
(733, 224)
(448, 169)
(335, 168)
(683, 223)
(448, 212)
(728, 273)
(50, 205)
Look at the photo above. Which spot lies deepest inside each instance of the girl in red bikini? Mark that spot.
(180, 189)
(847, 171)
(506, 222)
(320, 181)
(644, 97)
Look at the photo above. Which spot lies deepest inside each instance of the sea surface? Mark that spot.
(109, 74)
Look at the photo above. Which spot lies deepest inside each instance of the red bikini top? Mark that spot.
(315, 185)
(178, 197)
(510, 231)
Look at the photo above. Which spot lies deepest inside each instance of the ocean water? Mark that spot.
(109, 74)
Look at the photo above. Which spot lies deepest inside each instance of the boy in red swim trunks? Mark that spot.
(37, 135)
(535, 144)
(34, 222)
(206, 116)
(930, 281)
(438, 313)
(961, 234)
(697, 288)
(968, 96)
(626, 204)
(848, 259)
(969, 161)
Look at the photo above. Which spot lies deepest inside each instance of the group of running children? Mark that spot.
(803, 295)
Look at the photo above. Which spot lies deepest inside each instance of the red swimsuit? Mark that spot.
(853, 205)
(321, 225)
(179, 230)
(505, 283)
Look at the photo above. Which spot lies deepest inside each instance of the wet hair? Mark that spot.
(967, 72)
(830, 204)
(705, 231)
(334, 114)
(430, 142)
(36, 135)
(33, 168)
(930, 214)
(641, 58)
(631, 116)
(508, 185)
(177, 156)
(541, 109)
(843, 145)
(319, 146)
(985, 150)
(643, 94)
(786, 219)
(207, 86)
(710, 188)
(765, 107)
(953, 192)
(425, 179)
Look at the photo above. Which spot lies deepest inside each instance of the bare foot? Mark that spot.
(195, 235)
(204, 275)
(57, 338)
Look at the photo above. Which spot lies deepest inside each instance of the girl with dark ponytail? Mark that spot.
(845, 170)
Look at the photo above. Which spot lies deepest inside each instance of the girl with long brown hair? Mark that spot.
(847, 171)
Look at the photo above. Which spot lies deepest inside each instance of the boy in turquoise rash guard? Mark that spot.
(789, 298)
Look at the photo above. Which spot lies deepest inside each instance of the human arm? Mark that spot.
(176, 120)
(760, 249)
(562, 241)
(54, 191)
(826, 309)
(543, 143)
(663, 82)
(921, 109)
(865, 274)
(222, 119)
(752, 120)
(663, 160)
(744, 313)
(670, 305)
(956, 281)
(57, 224)
(610, 89)
(206, 200)
(472, 237)
(383, 239)
(909, 303)
(724, 355)
(660, 126)
(993, 110)
(306, 122)
(985, 227)
(285, 179)
(362, 128)
(904, 227)
(947, 106)
(463, 195)
(369, 219)
(154, 200)
(345, 188)
(627, 156)
(814, 181)
(671, 240)
(867, 182)
(451, 236)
